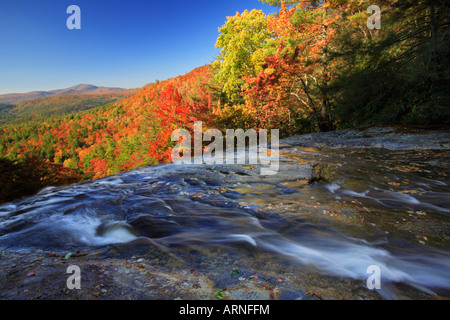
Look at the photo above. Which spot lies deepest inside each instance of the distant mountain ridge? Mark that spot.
(84, 89)
(97, 137)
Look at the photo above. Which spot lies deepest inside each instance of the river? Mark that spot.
(208, 227)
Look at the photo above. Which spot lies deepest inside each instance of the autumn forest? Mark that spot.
(310, 66)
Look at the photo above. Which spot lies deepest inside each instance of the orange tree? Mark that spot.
(289, 91)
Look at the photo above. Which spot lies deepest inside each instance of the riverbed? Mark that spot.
(341, 202)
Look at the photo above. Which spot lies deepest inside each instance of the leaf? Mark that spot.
(235, 271)
(415, 191)
(275, 294)
(220, 294)
(52, 254)
(317, 294)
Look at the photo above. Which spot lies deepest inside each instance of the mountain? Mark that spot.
(111, 137)
(58, 105)
(85, 89)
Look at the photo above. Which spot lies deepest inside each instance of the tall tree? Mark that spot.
(397, 73)
(296, 69)
(241, 40)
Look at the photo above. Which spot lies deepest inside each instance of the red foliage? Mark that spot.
(281, 91)
(122, 136)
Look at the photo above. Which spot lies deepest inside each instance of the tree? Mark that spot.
(279, 3)
(289, 87)
(398, 73)
(29, 175)
(241, 40)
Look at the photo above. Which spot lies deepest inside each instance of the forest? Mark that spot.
(48, 107)
(310, 66)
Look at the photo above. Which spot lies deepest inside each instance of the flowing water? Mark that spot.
(376, 207)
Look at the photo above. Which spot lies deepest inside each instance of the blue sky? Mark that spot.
(121, 43)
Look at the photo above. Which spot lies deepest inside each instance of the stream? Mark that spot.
(209, 227)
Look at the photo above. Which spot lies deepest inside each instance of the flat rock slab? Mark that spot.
(393, 138)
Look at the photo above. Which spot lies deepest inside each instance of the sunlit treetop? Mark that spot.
(241, 41)
(305, 3)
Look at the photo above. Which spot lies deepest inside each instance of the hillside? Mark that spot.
(58, 105)
(15, 98)
(116, 137)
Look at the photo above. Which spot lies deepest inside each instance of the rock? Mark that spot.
(393, 138)
(193, 224)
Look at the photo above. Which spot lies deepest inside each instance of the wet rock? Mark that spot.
(393, 138)
(317, 224)
(319, 173)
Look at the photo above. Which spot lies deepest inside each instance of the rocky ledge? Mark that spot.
(341, 201)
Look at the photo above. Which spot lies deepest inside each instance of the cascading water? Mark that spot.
(362, 215)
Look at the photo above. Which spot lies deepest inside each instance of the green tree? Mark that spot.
(397, 73)
(242, 40)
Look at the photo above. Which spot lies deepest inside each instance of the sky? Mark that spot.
(121, 43)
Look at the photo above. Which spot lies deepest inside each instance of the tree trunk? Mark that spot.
(325, 108)
(433, 29)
